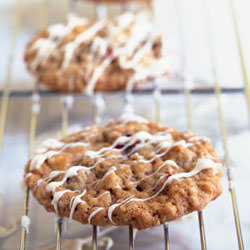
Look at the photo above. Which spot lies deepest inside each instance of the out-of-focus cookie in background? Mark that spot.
(171, 16)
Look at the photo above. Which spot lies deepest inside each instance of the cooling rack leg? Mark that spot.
(202, 231)
(166, 236)
(67, 102)
(157, 101)
(64, 121)
(131, 238)
(241, 54)
(217, 89)
(24, 231)
(157, 96)
(189, 108)
(33, 123)
(94, 237)
(99, 106)
(228, 165)
(188, 85)
(6, 88)
(59, 234)
(237, 219)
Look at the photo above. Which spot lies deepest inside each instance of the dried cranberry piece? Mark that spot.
(133, 145)
(109, 52)
(119, 146)
(137, 142)
(128, 134)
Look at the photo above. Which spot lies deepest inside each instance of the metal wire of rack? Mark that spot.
(67, 100)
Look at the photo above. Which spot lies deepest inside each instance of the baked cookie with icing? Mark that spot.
(103, 55)
(129, 172)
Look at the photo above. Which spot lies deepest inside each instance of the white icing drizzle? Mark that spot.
(75, 201)
(94, 213)
(125, 20)
(200, 165)
(138, 55)
(156, 69)
(167, 162)
(54, 174)
(131, 117)
(49, 143)
(44, 48)
(26, 176)
(103, 194)
(51, 187)
(96, 75)
(158, 182)
(39, 182)
(42, 154)
(199, 138)
(142, 136)
(38, 160)
(135, 232)
(87, 34)
(47, 46)
(126, 141)
(25, 223)
(57, 31)
(74, 144)
(100, 46)
(73, 171)
(110, 171)
(129, 38)
(113, 207)
(162, 142)
(56, 197)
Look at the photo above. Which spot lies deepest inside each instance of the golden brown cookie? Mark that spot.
(129, 172)
(104, 55)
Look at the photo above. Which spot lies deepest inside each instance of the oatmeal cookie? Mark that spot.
(129, 172)
(104, 55)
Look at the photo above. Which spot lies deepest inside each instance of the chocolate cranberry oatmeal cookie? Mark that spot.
(129, 172)
(106, 55)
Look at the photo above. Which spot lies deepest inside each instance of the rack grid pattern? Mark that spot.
(67, 100)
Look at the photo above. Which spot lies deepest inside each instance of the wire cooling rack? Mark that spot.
(157, 94)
